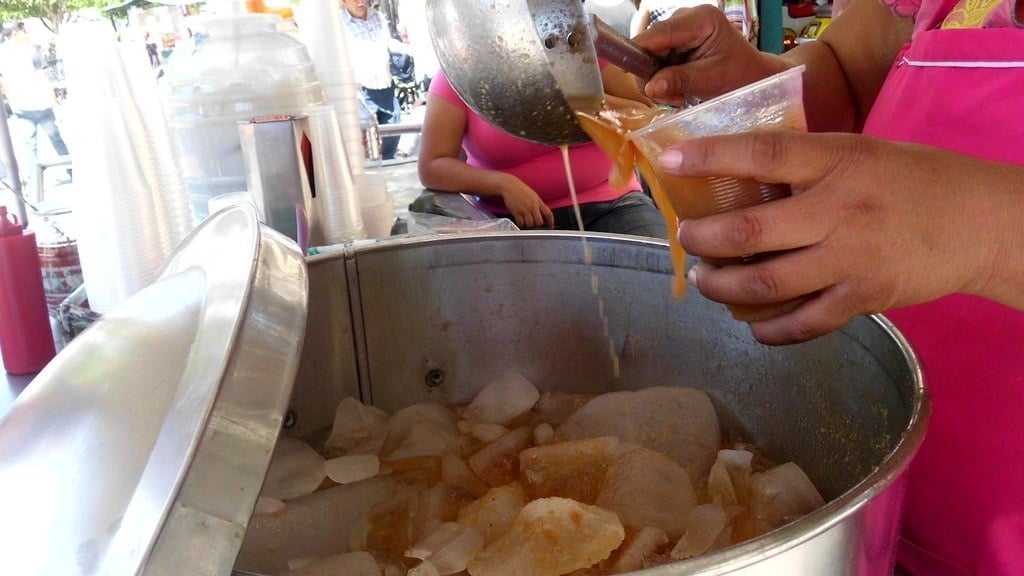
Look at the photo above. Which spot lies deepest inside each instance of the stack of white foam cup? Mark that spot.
(130, 201)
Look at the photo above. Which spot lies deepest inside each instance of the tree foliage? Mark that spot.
(52, 13)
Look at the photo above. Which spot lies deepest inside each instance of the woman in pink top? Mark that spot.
(524, 180)
(919, 217)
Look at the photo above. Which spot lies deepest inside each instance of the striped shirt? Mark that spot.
(368, 48)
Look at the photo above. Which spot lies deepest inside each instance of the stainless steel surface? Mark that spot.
(399, 129)
(142, 447)
(276, 177)
(850, 408)
(524, 65)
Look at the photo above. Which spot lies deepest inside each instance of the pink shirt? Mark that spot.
(538, 166)
(961, 89)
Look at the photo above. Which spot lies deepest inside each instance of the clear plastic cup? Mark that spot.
(773, 103)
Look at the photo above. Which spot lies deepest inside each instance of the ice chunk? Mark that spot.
(296, 469)
(635, 551)
(555, 407)
(348, 469)
(296, 563)
(647, 489)
(492, 514)
(729, 479)
(498, 462)
(349, 564)
(706, 529)
(780, 495)
(543, 433)
(573, 469)
(426, 429)
(448, 547)
(550, 537)
(483, 431)
(678, 422)
(390, 524)
(314, 526)
(427, 469)
(424, 568)
(432, 509)
(456, 474)
(269, 506)
(506, 398)
(358, 429)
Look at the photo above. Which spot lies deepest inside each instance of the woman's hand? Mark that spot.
(871, 225)
(523, 203)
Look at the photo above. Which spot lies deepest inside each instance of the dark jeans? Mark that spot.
(632, 213)
(26, 124)
(384, 103)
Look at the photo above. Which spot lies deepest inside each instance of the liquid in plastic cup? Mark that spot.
(773, 103)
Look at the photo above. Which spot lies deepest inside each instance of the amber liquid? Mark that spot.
(609, 130)
(675, 196)
(588, 258)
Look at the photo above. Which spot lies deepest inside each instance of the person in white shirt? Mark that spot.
(370, 45)
(30, 98)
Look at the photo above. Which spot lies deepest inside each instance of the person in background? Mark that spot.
(616, 13)
(370, 45)
(915, 211)
(30, 98)
(412, 17)
(653, 11)
(152, 51)
(524, 180)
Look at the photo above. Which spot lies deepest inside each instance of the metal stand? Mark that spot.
(42, 166)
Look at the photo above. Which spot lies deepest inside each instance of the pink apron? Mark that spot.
(963, 90)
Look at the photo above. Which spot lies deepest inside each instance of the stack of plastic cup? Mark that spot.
(242, 68)
(335, 207)
(130, 203)
(376, 204)
(323, 34)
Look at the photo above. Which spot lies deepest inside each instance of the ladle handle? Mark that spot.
(611, 45)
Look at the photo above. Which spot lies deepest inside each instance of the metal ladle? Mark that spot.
(527, 66)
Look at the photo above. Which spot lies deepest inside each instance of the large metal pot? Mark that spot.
(142, 447)
(433, 320)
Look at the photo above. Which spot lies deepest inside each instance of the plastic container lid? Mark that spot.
(141, 448)
(244, 66)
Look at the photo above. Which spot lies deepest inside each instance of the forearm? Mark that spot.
(848, 64)
(447, 174)
(993, 218)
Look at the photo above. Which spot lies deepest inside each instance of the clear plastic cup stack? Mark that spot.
(336, 210)
(130, 203)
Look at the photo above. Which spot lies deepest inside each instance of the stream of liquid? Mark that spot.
(588, 258)
(609, 129)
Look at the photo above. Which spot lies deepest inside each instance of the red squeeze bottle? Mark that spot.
(26, 339)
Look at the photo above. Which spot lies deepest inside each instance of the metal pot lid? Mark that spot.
(142, 447)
